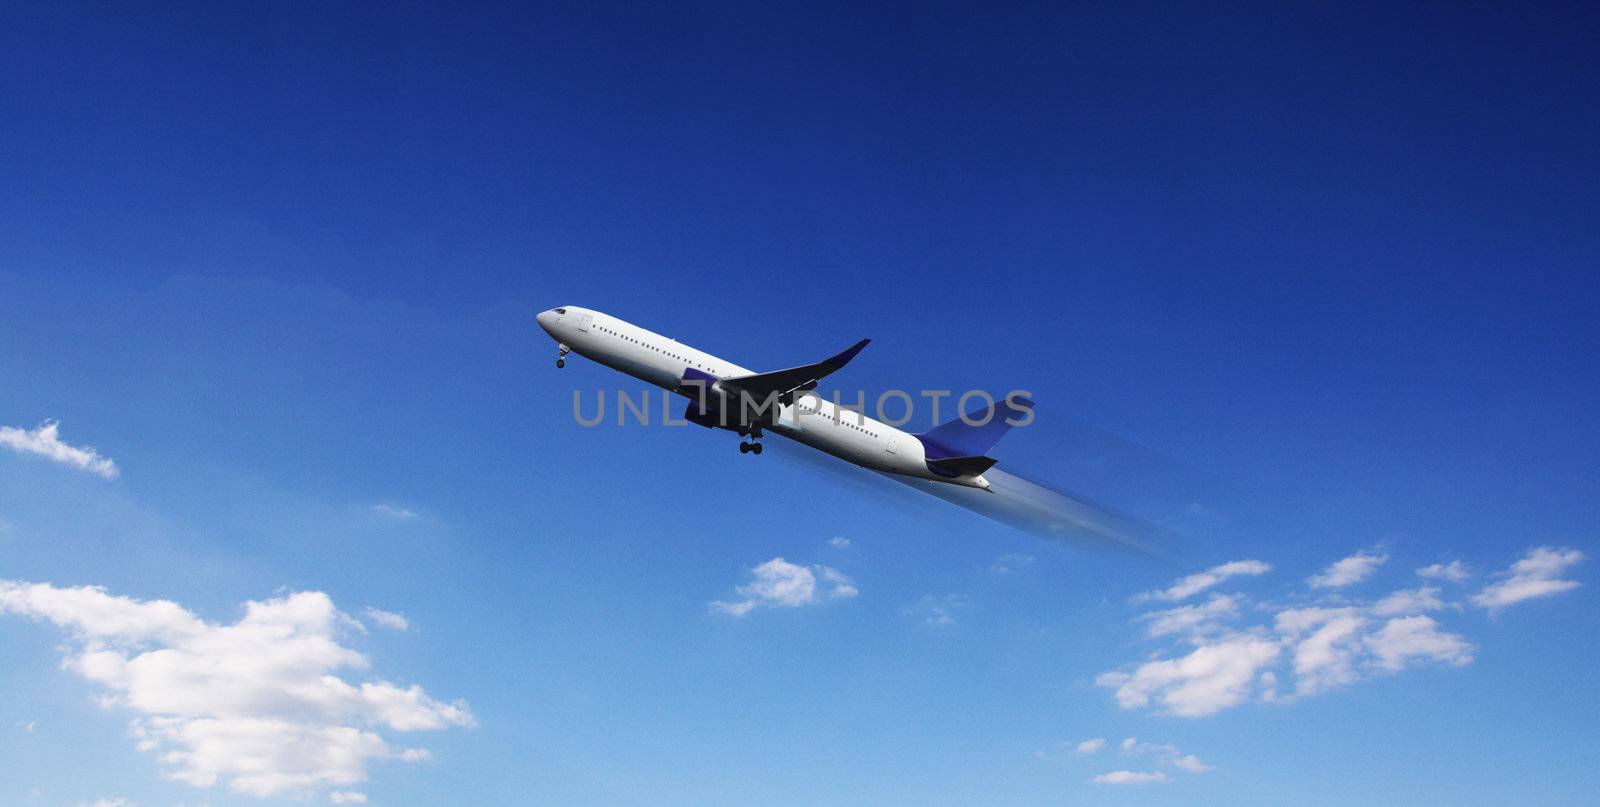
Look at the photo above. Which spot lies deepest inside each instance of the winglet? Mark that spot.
(844, 358)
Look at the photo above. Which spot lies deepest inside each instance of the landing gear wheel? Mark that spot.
(756, 447)
(744, 448)
(560, 363)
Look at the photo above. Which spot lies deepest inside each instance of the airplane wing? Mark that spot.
(794, 379)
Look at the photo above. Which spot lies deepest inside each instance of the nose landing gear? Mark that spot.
(561, 358)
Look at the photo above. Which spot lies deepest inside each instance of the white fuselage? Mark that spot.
(843, 432)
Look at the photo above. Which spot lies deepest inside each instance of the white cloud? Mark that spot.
(840, 587)
(779, 583)
(393, 511)
(1409, 601)
(839, 542)
(1213, 677)
(1334, 647)
(1268, 682)
(1130, 778)
(1166, 754)
(45, 441)
(1349, 571)
(387, 619)
(1011, 562)
(1200, 581)
(106, 803)
(1416, 637)
(347, 797)
(1194, 620)
(257, 703)
(1454, 571)
(1293, 622)
(1534, 576)
(938, 611)
(1327, 657)
(1328, 642)
(737, 608)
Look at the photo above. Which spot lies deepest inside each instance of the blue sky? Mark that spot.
(1307, 288)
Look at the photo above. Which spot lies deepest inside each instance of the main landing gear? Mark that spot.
(561, 358)
(751, 447)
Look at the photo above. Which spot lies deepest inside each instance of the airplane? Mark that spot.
(726, 396)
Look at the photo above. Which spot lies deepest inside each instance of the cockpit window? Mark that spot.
(561, 310)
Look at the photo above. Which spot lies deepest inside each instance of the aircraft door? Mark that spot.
(583, 322)
(893, 447)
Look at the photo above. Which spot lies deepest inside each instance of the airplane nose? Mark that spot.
(546, 319)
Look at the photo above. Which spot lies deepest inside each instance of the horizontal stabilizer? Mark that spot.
(952, 467)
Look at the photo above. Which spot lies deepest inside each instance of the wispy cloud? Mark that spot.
(45, 441)
(393, 511)
(1191, 619)
(1409, 601)
(936, 611)
(1130, 778)
(1349, 571)
(1200, 581)
(1011, 562)
(781, 584)
(1535, 575)
(258, 703)
(839, 542)
(1160, 758)
(1166, 755)
(1455, 571)
(387, 619)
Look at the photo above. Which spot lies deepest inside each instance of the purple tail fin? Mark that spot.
(961, 438)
